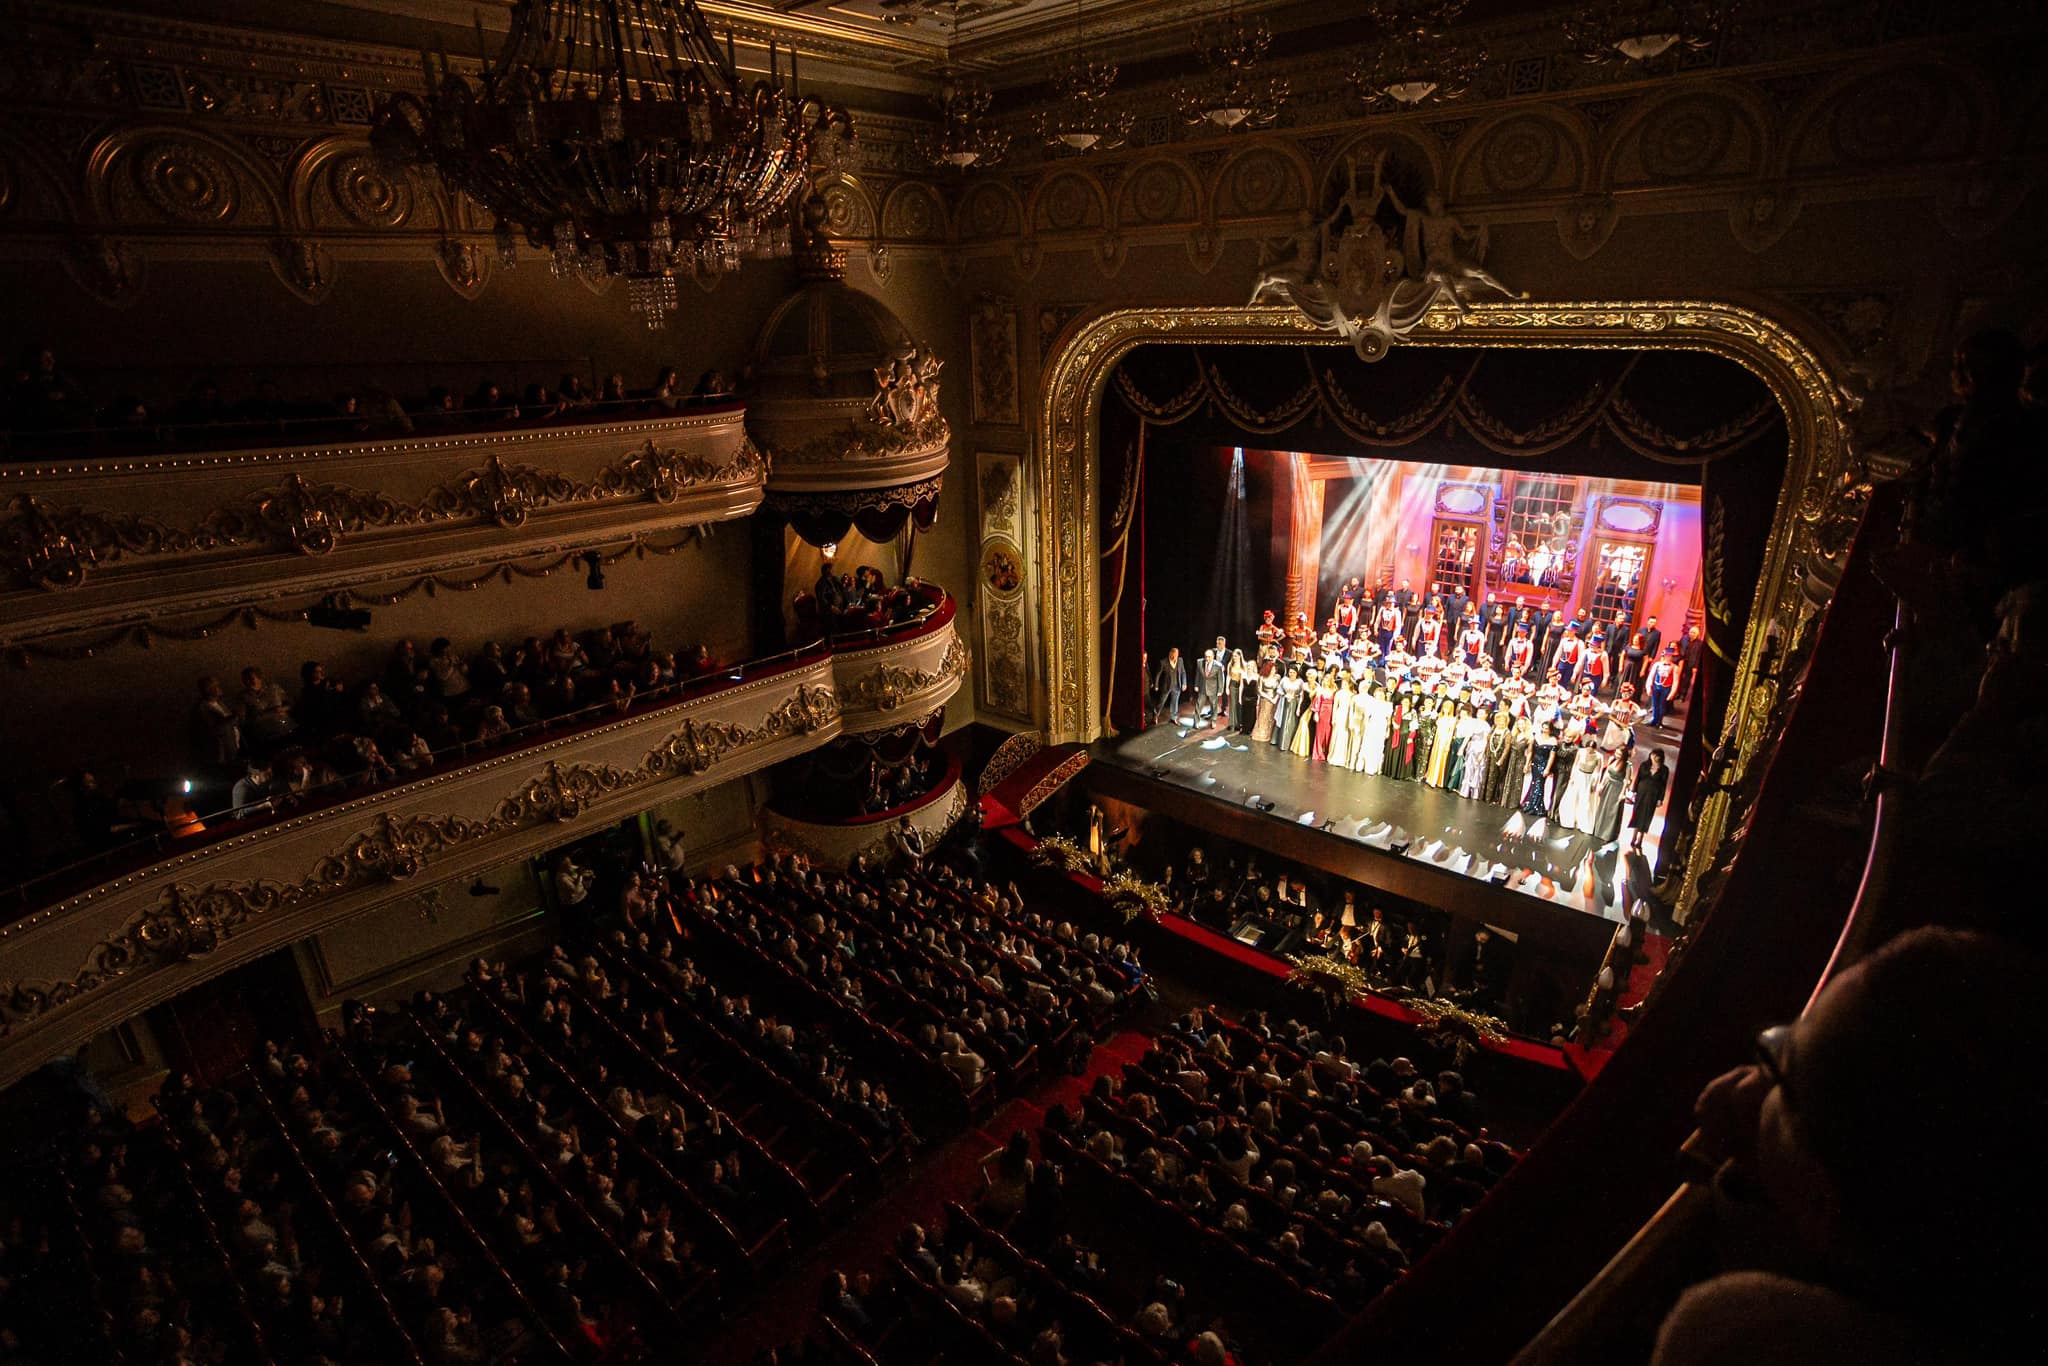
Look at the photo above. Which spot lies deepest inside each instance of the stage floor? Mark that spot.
(1458, 833)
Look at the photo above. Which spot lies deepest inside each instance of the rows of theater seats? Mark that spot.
(1241, 1189)
(575, 1160)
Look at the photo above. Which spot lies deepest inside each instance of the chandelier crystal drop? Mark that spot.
(1229, 93)
(963, 137)
(1641, 31)
(620, 138)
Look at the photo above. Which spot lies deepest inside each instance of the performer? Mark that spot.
(1562, 764)
(1289, 716)
(1386, 625)
(1593, 661)
(1408, 743)
(1343, 722)
(1647, 794)
(1690, 650)
(1472, 643)
(1429, 631)
(1331, 646)
(1209, 679)
(1619, 731)
(1515, 771)
(1372, 743)
(1169, 681)
(1542, 750)
(1499, 739)
(1268, 695)
(1653, 644)
(1400, 665)
(1428, 668)
(1303, 743)
(1233, 691)
(1565, 661)
(1325, 714)
(1576, 809)
(1521, 654)
(1473, 731)
(1269, 636)
(1499, 624)
(1607, 795)
(1248, 696)
(1347, 614)
(1442, 741)
(1301, 639)
(1632, 660)
(1662, 675)
(1484, 684)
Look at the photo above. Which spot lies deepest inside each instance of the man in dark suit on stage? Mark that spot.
(1405, 599)
(1456, 603)
(1689, 651)
(1209, 684)
(1653, 646)
(1169, 681)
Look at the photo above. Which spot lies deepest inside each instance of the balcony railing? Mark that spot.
(95, 941)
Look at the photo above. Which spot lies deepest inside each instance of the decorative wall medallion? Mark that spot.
(1002, 569)
(1260, 182)
(1205, 248)
(1026, 250)
(185, 181)
(1052, 319)
(367, 194)
(1519, 154)
(1685, 138)
(881, 264)
(1111, 250)
(1762, 216)
(992, 357)
(1462, 500)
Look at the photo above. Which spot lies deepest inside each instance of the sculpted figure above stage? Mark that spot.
(1348, 277)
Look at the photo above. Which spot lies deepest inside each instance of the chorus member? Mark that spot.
(1429, 631)
(1521, 654)
(1608, 791)
(1618, 730)
(1485, 686)
(1331, 647)
(1428, 667)
(1347, 614)
(1248, 694)
(1646, 794)
(1386, 625)
(1400, 664)
(1306, 729)
(1270, 634)
(1653, 646)
(1594, 671)
(1499, 623)
(1564, 662)
(1472, 643)
(1689, 651)
(1499, 737)
(1301, 639)
(1405, 741)
(1266, 707)
(1658, 681)
(1521, 748)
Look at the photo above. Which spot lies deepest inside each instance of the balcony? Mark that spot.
(102, 941)
(98, 544)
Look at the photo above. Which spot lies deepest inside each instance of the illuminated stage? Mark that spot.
(1489, 846)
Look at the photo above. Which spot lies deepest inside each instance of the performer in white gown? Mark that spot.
(1575, 809)
(1372, 744)
(1343, 723)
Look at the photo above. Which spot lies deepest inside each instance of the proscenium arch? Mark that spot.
(1819, 502)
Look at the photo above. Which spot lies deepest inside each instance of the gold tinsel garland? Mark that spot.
(1329, 976)
(1057, 851)
(1133, 896)
(1462, 1030)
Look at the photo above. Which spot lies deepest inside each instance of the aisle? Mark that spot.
(782, 1311)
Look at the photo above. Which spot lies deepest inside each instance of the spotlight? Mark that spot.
(594, 580)
(482, 888)
(334, 614)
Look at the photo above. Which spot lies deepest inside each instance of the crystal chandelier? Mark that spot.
(1227, 94)
(618, 136)
(1081, 119)
(1643, 30)
(1417, 62)
(963, 137)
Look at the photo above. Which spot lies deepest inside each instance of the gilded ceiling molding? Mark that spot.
(53, 547)
(1819, 506)
(189, 921)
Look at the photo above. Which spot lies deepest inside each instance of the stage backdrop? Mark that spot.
(1664, 418)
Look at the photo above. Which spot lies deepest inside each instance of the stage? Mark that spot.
(1463, 846)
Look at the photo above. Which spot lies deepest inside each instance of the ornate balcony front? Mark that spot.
(101, 543)
(87, 962)
(898, 675)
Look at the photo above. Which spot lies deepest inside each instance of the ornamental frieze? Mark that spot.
(43, 545)
(887, 686)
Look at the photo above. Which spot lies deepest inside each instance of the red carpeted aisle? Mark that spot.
(859, 1239)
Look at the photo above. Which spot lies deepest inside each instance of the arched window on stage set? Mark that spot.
(1537, 550)
(1624, 539)
(1458, 537)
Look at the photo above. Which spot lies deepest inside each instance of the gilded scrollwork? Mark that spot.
(57, 547)
(186, 922)
(887, 686)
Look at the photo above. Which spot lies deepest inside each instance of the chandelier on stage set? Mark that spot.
(1229, 93)
(1643, 30)
(1416, 61)
(618, 136)
(1081, 119)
